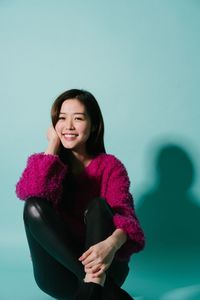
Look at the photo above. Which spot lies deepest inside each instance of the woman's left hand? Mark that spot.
(98, 258)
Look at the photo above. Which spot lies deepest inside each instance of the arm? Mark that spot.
(128, 236)
(43, 175)
(117, 194)
(54, 141)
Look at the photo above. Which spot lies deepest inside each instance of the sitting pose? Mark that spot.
(79, 215)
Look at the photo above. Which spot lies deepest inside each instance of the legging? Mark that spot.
(54, 254)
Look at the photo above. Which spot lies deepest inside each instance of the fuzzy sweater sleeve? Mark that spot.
(119, 198)
(42, 177)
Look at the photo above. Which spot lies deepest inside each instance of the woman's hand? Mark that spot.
(98, 258)
(52, 134)
(54, 141)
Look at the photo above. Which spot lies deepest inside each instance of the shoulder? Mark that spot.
(107, 158)
(112, 171)
(109, 162)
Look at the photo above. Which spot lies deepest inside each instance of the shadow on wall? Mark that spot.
(170, 216)
(169, 213)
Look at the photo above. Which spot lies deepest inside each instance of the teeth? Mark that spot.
(69, 135)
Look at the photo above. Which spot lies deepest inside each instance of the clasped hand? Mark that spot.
(98, 258)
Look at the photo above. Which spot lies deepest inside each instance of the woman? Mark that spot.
(79, 215)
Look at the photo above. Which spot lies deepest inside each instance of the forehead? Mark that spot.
(72, 106)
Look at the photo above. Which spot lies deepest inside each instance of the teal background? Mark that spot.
(141, 61)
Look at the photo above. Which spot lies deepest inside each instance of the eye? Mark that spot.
(78, 118)
(61, 118)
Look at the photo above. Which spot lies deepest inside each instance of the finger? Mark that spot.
(88, 270)
(96, 269)
(85, 254)
(99, 272)
(90, 259)
(89, 266)
(93, 263)
(92, 269)
(102, 268)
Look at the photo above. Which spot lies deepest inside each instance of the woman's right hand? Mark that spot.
(54, 141)
(52, 134)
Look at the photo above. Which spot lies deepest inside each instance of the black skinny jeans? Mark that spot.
(57, 270)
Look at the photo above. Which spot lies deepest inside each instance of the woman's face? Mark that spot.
(73, 126)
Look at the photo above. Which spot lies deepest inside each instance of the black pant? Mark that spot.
(57, 270)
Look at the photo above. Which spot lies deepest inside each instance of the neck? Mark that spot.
(79, 161)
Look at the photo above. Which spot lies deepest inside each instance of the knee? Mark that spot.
(98, 207)
(32, 210)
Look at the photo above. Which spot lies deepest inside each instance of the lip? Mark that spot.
(69, 136)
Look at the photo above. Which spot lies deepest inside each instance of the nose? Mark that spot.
(69, 124)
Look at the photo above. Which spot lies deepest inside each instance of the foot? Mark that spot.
(112, 291)
(89, 291)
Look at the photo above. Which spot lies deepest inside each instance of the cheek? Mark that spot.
(87, 130)
(58, 129)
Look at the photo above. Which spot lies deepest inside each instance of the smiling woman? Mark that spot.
(73, 126)
(79, 215)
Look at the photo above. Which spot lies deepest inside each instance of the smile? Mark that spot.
(70, 135)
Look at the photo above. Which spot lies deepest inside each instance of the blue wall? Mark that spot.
(139, 58)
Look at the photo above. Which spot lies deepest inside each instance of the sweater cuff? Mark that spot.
(135, 236)
(42, 178)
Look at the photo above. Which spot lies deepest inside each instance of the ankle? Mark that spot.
(98, 280)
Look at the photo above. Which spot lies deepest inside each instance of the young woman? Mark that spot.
(79, 215)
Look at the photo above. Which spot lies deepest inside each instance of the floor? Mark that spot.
(154, 275)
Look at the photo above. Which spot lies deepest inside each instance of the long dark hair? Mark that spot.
(95, 142)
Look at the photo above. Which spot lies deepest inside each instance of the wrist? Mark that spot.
(113, 242)
(118, 238)
(52, 147)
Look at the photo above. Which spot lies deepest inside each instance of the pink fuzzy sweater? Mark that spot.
(45, 177)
